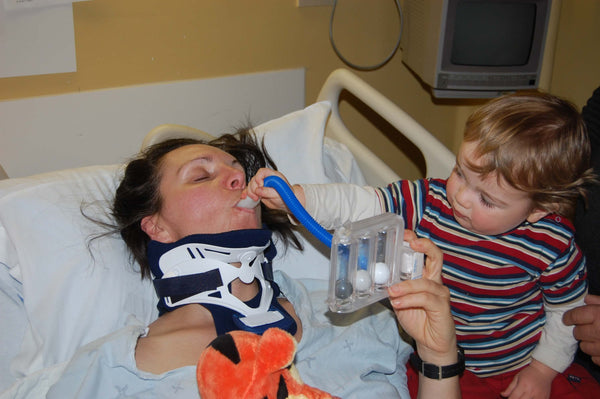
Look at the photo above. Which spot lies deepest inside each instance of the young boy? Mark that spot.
(502, 221)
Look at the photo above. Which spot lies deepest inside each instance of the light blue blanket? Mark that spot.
(358, 355)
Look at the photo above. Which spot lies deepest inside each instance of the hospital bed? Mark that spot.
(65, 299)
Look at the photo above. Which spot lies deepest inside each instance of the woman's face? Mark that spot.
(200, 186)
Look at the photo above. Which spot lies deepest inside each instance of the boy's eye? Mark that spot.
(485, 202)
(458, 171)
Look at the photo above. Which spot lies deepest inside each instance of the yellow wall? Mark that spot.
(128, 42)
(576, 70)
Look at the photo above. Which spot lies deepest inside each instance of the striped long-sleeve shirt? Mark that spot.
(501, 286)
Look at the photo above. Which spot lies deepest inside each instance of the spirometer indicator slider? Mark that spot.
(367, 256)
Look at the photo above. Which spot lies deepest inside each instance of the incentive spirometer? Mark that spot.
(367, 256)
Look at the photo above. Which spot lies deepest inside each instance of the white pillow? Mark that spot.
(71, 294)
(295, 142)
(74, 294)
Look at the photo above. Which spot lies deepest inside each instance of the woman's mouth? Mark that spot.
(247, 203)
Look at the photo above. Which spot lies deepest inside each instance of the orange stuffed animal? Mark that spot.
(244, 365)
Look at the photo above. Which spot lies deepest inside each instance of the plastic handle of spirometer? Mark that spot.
(287, 195)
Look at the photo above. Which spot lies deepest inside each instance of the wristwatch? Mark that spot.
(439, 372)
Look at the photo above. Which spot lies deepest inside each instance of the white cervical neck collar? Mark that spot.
(195, 272)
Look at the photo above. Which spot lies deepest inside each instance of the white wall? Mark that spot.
(42, 134)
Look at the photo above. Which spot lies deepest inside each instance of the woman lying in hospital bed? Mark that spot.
(351, 356)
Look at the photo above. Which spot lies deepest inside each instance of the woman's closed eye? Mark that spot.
(198, 174)
(198, 179)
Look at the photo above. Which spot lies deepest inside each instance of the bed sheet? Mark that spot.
(334, 355)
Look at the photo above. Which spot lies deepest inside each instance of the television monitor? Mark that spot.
(476, 48)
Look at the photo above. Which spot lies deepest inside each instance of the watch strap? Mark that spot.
(436, 372)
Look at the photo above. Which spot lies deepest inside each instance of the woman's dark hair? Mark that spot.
(138, 194)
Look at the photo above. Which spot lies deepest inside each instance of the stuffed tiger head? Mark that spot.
(244, 365)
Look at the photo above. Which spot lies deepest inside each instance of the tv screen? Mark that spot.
(476, 48)
(493, 34)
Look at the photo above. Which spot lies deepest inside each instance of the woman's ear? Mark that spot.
(151, 226)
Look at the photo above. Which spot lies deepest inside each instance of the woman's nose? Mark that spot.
(236, 178)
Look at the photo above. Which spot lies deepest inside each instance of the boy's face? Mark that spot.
(489, 205)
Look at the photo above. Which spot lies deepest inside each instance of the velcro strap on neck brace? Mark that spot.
(188, 285)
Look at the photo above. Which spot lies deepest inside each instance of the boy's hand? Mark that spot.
(533, 382)
(269, 196)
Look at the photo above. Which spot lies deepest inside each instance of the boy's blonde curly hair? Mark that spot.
(538, 143)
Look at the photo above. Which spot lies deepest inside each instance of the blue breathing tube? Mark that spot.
(287, 195)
